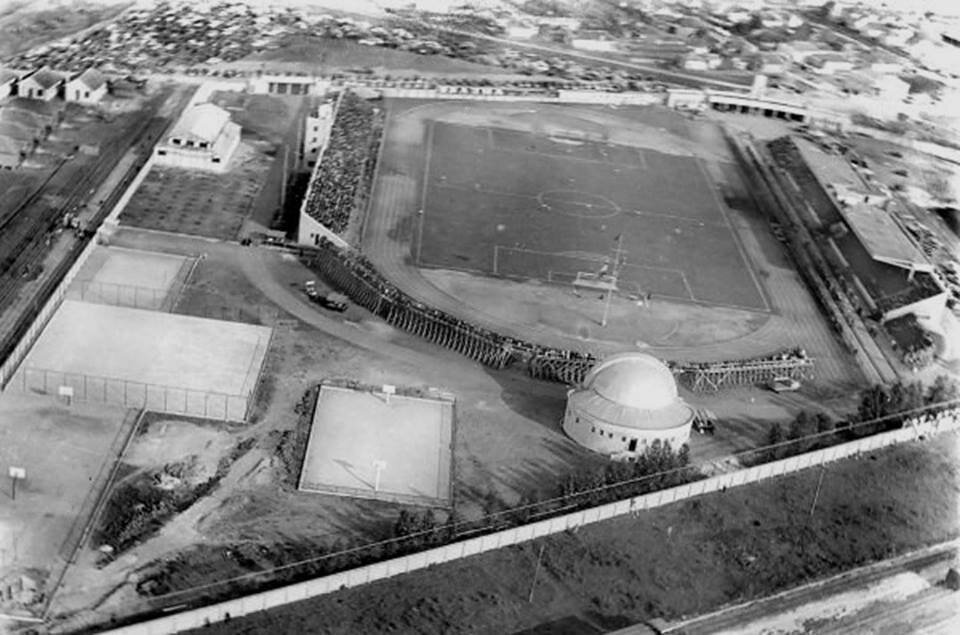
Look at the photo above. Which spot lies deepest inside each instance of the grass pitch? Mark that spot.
(548, 204)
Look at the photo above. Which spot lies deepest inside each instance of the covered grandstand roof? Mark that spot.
(883, 238)
(830, 168)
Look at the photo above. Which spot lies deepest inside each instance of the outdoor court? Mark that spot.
(129, 277)
(161, 361)
(548, 205)
(62, 450)
(355, 431)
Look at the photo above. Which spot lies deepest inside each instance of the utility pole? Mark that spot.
(618, 250)
(536, 572)
(816, 494)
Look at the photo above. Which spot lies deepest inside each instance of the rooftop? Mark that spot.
(91, 78)
(46, 78)
(202, 122)
(830, 169)
(882, 237)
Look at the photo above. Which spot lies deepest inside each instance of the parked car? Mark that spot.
(333, 301)
(784, 384)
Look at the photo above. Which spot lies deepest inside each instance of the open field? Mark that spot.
(200, 203)
(218, 205)
(508, 442)
(684, 559)
(28, 24)
(374, 445)
(62, 448)
(316, 54)
(549, 204)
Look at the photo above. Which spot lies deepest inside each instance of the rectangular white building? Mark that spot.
(204, 139)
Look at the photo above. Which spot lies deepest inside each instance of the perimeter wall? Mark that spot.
(917, 428)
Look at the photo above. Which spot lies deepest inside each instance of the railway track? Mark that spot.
(26, 236)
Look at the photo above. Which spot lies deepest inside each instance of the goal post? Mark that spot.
(591, 280)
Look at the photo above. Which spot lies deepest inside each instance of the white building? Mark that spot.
(316, 133)
(8, 79)
(892, 88)
(830, 63)
(204, 138)
(43, 85)
(89, 87)
(594, 44)
(624, 404)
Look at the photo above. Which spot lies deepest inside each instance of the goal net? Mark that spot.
(591, 280)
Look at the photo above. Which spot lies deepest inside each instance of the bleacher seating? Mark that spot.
(340, 175)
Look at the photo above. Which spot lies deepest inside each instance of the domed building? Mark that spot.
(625, 403)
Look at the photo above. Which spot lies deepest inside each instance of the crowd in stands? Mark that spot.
(340, 175)
(483, 345)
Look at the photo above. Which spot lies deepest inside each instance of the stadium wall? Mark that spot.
(914, 429)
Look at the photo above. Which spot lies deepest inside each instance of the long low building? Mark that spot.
(883, 263)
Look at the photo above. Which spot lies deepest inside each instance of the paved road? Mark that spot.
(900, 595)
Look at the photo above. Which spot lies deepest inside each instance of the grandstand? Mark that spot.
(343, 172)
(875, 256)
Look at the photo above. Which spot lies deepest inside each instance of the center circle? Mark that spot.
(577, 204)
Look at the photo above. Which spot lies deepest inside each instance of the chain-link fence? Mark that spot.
(135, 394)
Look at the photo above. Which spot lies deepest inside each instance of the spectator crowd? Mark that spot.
(346, 164)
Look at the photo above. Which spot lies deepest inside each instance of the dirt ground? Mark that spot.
(25, 25)
(218, 205)
(63, 450)
(199, 203)
(317, 54)
(677, 561)
(508, 441)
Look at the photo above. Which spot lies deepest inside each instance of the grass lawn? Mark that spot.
(683, 559)
(546, 205)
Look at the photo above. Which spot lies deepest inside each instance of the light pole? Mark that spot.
(613, 278)
(379, 467)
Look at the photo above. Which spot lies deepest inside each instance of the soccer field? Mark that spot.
(547, 206)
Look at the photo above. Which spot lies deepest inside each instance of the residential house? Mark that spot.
(43, 85)
(89, 87)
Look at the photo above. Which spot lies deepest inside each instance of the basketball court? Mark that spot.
(365, 443)
(147, 359)
(130, 277)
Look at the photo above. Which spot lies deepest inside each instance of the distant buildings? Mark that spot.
(316, 133)
(204, 138)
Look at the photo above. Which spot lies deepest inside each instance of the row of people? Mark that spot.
(334, 187)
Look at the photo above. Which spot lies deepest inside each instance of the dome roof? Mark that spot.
(632, 390)
(634, 380)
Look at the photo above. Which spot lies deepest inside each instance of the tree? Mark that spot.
(774, 439)
(943, 389)
(801, 427)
